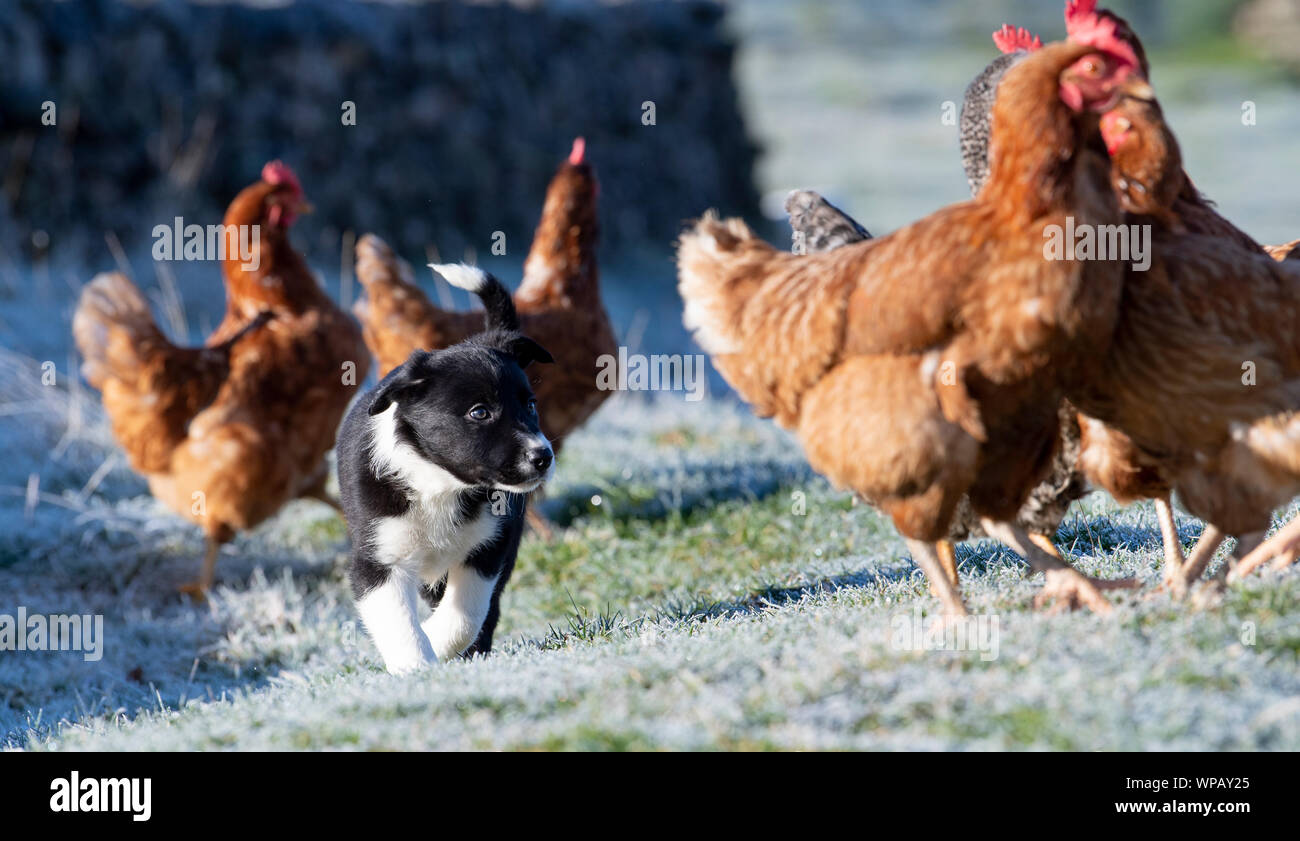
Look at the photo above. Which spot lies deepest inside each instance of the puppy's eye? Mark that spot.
(480, 413)
(532, 407)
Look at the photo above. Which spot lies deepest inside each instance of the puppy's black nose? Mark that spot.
(540, 458)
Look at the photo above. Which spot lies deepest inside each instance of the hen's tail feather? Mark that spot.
(151, 387)
(773, 322)
(113, 328)
(560, 269)
(396, 316)
(817, 225)
(379, 269)
(706, 256)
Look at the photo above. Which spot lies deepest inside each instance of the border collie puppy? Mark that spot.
(434, 467)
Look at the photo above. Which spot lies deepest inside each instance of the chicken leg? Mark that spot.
(198, 590)
(1211, 538)
(1063, 582)
(1045, 543)
(1175, 572)
(928, 556)
(324, 496)
(948, 558)
(316, 490)
(1277, 546)
(540, 525)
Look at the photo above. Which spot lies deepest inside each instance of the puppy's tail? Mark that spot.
(494, 295)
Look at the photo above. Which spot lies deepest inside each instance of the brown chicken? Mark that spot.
(1106, 455)
(930, 363)
(1148, 178)
(228, 433)
(1204, 373)
(820, 226)
(559, 304)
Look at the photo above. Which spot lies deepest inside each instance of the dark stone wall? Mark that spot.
(462, 113)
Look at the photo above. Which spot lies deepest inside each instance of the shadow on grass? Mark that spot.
(659, 494)
(585, 626)
(1102, 534)
(1097, 535)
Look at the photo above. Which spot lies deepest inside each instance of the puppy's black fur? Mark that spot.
(435, 464)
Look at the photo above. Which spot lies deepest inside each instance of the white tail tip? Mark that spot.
(469, 278)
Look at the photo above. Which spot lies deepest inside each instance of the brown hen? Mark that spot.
(1149, 179)
(1204, 373)
(559, 304)
(228, 433)
(930, 363)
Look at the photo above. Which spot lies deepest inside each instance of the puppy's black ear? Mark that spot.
(526, 351)
(410, 373)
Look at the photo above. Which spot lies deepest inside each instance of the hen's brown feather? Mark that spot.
(1211, 304)
(396, 316)
(151, 387)
(559, 306)
(228, 433)
(879, 353)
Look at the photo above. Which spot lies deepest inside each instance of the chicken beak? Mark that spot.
(304, 207)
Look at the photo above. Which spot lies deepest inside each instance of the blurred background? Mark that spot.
(462, 111)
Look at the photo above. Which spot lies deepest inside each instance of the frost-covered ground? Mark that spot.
(718, 596)
(705, 590)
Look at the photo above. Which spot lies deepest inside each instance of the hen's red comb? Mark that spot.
(278, 172)
(1102, 32)
(1077, 10)
(579, 151)
(1009, 39)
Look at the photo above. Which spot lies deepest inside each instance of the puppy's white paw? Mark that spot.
(409, 662)
(455, 623)
(389, 614)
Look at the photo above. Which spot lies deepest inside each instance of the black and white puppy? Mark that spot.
(435, 465)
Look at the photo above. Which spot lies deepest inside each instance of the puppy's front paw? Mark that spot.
(414, 662)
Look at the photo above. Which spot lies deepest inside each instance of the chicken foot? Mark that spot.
(1245, 545)
(1063, 582)
(1285, 559)
(928, 556)
(1202, 553)
(1280, 546)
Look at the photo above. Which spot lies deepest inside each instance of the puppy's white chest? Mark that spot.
(431, 536)
(429, 540)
